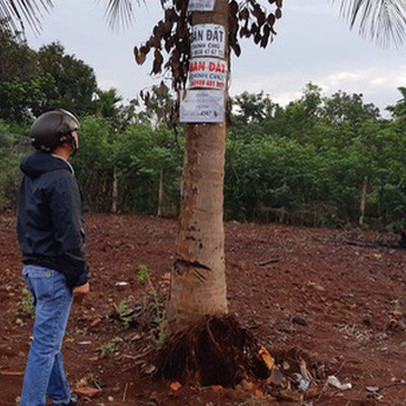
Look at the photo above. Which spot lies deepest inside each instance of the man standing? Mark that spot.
(50, 232)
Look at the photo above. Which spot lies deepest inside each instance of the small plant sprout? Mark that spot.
(152, 301)
(397, 303)
(124, 308)
(110, 347)
(26, 303)
(143, 273)
(397, 307)
(125, 305)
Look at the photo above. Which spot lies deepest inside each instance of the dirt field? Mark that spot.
(339, 307)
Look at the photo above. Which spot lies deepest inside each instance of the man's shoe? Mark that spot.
(73, 402)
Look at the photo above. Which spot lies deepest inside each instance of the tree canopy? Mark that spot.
(303, 163)
(32, 82)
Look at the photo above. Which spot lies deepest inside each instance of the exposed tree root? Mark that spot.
(398, 245)
(216, 351)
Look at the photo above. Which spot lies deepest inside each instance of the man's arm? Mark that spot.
(66, 212)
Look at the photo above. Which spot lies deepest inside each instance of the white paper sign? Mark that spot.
(208, 40)
(201, 5)
(202, 106)
(208, 73)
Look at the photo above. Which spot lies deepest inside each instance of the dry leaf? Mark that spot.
(266, 357)
(89, 392)
(259, 393)
(175, 386)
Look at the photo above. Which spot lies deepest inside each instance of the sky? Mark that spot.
(313, 44)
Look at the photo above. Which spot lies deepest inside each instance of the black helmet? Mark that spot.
(50, 127)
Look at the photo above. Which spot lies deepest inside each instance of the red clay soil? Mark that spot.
(339, 307)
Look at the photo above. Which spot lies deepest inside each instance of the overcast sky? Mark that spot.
(313, 44)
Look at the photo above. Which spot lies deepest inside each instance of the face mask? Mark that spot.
(71, 140)
(75, 147)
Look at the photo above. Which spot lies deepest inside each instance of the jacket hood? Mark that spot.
(38, 163)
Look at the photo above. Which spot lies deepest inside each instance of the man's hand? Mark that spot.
(82, 290)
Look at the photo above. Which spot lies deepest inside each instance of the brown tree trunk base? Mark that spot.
(216, 351)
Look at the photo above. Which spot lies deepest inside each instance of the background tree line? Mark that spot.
(317, 161)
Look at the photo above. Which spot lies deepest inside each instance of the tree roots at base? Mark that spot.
(216, 351)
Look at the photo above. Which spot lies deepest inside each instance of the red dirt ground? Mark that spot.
(339, 307)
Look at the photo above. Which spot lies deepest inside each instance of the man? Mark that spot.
(51, 237)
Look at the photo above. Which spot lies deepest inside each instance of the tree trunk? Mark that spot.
(363, 201)
(115, 191)
(198, 283)
(160, 192)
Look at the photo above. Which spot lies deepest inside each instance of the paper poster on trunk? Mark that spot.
(208, 40)
(202, 106)
(208, 73)
(201, 5)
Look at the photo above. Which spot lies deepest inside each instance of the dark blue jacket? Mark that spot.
(50, 226)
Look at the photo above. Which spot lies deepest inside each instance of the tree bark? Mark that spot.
(160, 192)
(363, 201)
(198, 283)
(115, 191)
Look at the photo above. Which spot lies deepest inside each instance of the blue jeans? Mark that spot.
(45, 374)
